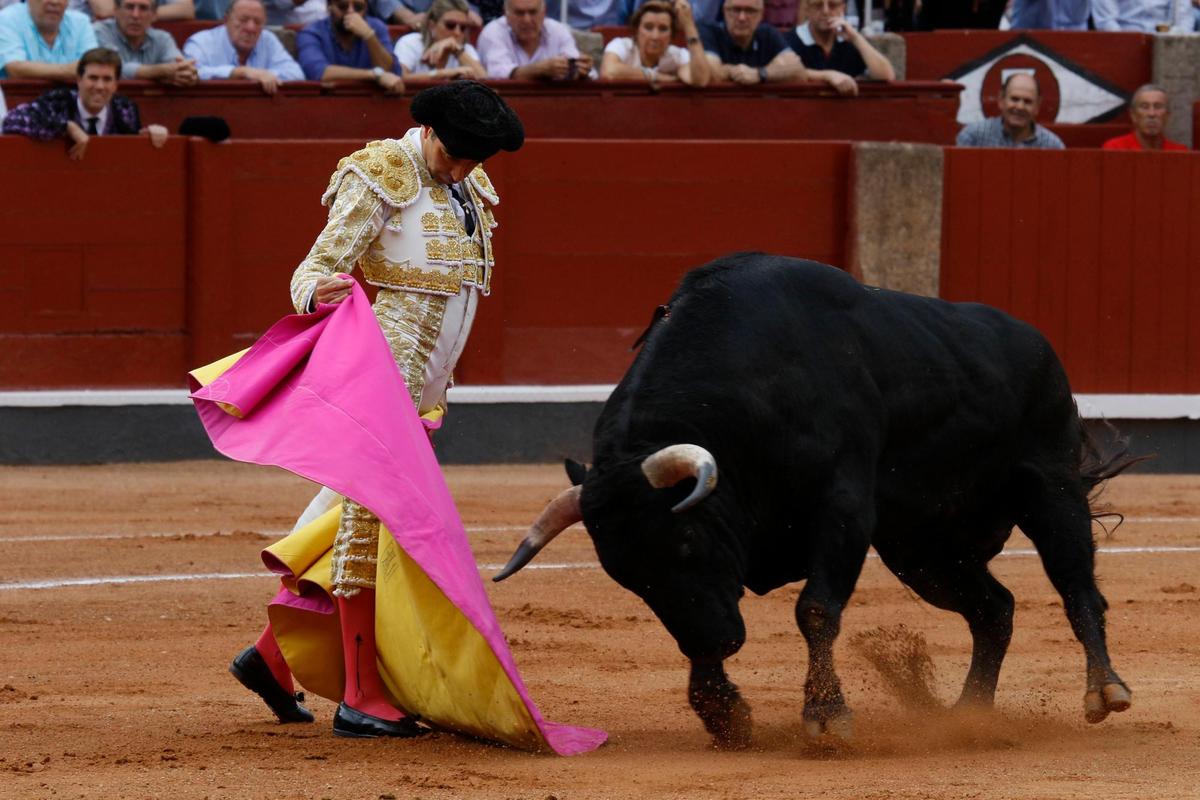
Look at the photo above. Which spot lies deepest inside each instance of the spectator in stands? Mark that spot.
(938, 14)
(826, 41)
(1141, 15)
(104, 9)
(441, 50)
(295, 12)
(1063, 15)
(583, 15)
(1149, 111)
(91, 109)
(348, 45)
(702, 10)
(524, 45)
(746, 50)
(146, 53)
(649, 55)
(42, 39)
(241, 50)
(1020, 98)
(211, 9)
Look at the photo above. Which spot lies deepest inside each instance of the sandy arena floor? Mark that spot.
(121, 689)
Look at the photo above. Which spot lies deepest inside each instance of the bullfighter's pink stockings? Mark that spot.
(364, 688)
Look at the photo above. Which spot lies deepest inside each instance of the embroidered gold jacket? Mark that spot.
(389, 216)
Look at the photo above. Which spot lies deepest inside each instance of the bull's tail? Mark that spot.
(1103, 454)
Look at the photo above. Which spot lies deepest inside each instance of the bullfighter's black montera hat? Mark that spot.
(471, 120)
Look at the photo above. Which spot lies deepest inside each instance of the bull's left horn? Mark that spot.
(672, 464)
(561, 513)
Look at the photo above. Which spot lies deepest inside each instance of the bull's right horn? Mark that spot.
(672, 464)
(561, 513)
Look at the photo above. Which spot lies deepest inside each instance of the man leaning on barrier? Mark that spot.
(146, 53)
(92, 108)
(349, 45)
(43, 40)
(241, 50)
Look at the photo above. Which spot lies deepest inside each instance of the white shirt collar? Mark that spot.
(84, 114)
(806, 37)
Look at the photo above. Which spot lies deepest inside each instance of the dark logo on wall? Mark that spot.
(1070, 93)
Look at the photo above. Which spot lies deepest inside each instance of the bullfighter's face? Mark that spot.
(678, 563)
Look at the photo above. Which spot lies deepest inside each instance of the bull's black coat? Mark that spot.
(842, 416)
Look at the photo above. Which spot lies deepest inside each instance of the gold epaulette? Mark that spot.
(483, 185)
(387, 170)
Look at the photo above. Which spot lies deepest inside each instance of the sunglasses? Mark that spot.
(358, 8)
(454, 25)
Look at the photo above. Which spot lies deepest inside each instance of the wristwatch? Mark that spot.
(693, 40)
(762, 74)
(378, 73)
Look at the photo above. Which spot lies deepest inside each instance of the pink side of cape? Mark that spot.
(320, 395)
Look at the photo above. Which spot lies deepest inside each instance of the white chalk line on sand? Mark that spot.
(58, 583)
(87, 537)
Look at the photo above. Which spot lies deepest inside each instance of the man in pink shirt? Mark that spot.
(524, 45)
(1149, 112)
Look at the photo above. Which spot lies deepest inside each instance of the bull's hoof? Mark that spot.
(1111, 697)
(734, 732)
(838, 726)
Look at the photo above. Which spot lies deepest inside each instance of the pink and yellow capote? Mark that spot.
(320, 396)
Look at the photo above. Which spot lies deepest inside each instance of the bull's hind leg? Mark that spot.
(966, 587)
(1057, 519)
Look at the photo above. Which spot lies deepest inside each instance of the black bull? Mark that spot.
(841, 417)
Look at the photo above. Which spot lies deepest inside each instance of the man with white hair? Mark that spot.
(525, 45)
(1149, 111)
(42, 40)
(241, 50)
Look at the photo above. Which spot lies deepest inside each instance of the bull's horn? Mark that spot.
(672, 464)
(561, 513)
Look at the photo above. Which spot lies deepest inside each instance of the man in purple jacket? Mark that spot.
(93, 108)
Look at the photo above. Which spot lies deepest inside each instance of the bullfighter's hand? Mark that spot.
(333, 289)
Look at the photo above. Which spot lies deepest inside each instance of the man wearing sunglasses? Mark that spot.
(415, 214)
(349, 45)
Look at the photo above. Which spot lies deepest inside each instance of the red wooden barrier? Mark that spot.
(103, 288)
(915, 112)
(92, 259)
(1094, 248)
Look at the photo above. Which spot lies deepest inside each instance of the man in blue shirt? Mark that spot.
(747, 50)
(242, 50)
(348, 45)
(42, 40)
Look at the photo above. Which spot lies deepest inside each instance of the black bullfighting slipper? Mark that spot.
(251, 671)
(357, 725)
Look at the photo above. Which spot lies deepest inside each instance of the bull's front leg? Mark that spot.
(716, 700)
(839, 549)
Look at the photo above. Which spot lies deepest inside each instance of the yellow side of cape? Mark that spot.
(433, 661)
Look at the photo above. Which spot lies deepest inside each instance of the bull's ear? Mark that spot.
(576, 472)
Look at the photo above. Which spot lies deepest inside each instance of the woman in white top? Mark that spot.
(649, 55)
(441, 49)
